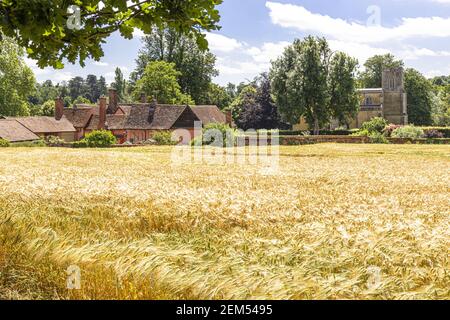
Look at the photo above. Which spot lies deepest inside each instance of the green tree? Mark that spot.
(77, 88)
(302, 78)
(245, 110)
(101, 86)
(52, 32)
(17, 82)
(160, 80)
(93, 91)
(197, 67)
(374, 66)
(344, 99)
(420, 95)
(217, 95)
(119, 83)
(48, 108)
(81, 100)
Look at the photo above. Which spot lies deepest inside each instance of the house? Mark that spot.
(389, 102)
(14, 131)
(49, 126)
(137, 122)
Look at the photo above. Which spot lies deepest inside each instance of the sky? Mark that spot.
(255, 32)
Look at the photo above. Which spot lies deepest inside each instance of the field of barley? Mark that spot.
(334, 222)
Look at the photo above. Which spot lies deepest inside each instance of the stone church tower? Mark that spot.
(394, 98)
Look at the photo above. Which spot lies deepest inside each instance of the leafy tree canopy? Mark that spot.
(254, 107)
(372, 76)
(160, 80)
(420, 93)
(55, 30)
(217, 95)
(17, 82)
(197, 67)
(311, 81)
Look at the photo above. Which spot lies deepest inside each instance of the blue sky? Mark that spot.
(254, 32)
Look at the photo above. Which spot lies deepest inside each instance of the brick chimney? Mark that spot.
(143, 98)
(59, 108)
(113, 101)
(102, 113)
(229, 118)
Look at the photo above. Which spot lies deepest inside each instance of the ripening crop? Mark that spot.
(335, 221)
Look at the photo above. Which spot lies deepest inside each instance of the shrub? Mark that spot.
(164, 138)
(337, 132)
(433, 134)
(4, 143)
(100, 139)
(53, 141)
(444, 130)
(376, 137)
(375, 125)
(389, 129)
(29, 144)
(80, 144)
(410, 132)
(361, 133)
(208, 137)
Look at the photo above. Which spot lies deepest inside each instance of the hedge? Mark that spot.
(322, 132)
(444, 130)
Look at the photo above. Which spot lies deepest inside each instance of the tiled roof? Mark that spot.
(13, 131)
(165, 116)
(46, 124)
(142, 116)
(208, 114)
(78, 117)
(146, 116)
(113, 122)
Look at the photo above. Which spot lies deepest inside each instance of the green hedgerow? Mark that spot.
(4, 143)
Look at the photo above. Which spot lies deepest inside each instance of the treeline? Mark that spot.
(308, 80)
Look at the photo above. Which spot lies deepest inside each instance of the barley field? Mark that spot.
(335, 222)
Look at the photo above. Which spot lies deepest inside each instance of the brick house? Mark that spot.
(49, 126)
(42, 127)
(14, 131)
(137, 122)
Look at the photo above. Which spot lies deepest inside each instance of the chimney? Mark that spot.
(229, 118)
(59, 108)
(102, 113)
(113, 101)
(143, 98)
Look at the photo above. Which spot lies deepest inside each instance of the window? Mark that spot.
(369, 101)
(392, 83)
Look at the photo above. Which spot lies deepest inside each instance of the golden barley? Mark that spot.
(336, 222)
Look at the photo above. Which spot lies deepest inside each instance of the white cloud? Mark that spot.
(299, 18)
(268, 51)
(357, 50)
(55, 74)
(101, 64)
(220, 43)
(138, 33)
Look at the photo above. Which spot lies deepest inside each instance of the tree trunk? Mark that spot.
(316, 126)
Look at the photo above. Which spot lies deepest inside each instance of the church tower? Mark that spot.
(395, 106)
